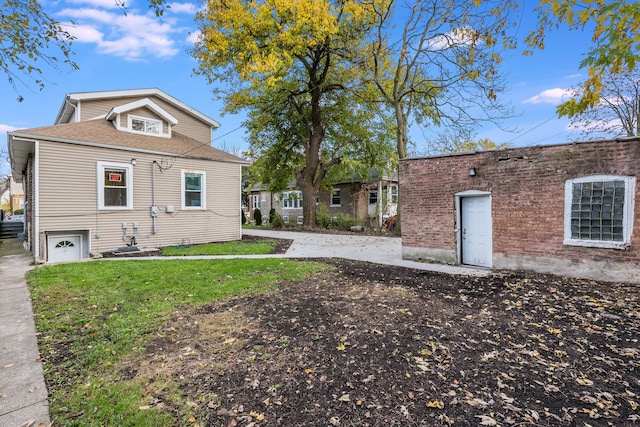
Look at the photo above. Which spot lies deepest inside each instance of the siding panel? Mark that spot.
(188, 125)
(68, 198)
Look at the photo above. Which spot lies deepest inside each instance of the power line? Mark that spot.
(534, 128)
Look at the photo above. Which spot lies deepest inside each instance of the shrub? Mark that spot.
(244, 218)
(272, 215)
(345, 221)
(323, 218)
(257, 216)
(18, 212)
(277, 221)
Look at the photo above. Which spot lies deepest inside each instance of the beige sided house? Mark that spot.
(124, 168)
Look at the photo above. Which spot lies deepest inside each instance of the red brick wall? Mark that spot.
(527, 190)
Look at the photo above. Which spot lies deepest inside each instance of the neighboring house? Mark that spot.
(123, 168)
(571, 209)
(363, 200)
(12, 193)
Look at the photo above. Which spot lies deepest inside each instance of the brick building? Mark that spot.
(570, 209)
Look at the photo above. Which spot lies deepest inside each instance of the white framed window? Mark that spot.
(115, 186)
(193, 185)
(599, 211)
(394, 194)
(145, 125)
(335, 197)
(255, 201)
(292, 200)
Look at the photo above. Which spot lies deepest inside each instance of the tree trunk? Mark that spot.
(401, 131)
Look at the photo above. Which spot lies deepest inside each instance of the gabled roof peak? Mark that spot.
(71, 101)
(146, 102)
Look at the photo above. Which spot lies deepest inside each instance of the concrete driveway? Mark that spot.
(375, 249)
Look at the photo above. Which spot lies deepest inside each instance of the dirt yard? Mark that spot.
(371, 345)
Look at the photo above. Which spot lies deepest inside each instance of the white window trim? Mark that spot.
(203, 190)
(297, 200)
(100, 172)
(397, 194)
(339, 196)
(627, 220)
(131, 117)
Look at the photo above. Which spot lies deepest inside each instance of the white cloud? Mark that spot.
(193, 37)
(463, 36)
(6, 128)
(550, 96)
(133, 36)
(97, 3)
(182, 8)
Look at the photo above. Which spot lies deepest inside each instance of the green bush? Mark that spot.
(18, 212)
(277, 221)
(323, 217)
(257, 216)
(244, 218)
(272, 215)
(345, 221)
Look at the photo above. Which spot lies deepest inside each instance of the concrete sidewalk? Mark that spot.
(375, 249)
(23, 394)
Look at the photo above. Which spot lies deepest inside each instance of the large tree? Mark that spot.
(31, 39)
(615, 29)
(289, 65)
(436, 62)
(617, 112)
(449, 142)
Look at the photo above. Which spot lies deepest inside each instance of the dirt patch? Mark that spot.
(371, 345)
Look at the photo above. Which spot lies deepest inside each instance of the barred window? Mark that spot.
(599, 211)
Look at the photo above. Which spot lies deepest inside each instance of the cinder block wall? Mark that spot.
(527, 191)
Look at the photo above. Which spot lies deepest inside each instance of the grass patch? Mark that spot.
(92, 316)
(224, 248)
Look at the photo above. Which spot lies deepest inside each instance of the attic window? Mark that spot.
(145, 125)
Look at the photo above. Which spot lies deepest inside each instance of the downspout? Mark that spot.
(379, 204)
(36, 200)
(154, 209)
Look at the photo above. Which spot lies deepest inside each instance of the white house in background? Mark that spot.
(124, 168)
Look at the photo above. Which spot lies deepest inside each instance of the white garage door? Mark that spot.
(64, 248)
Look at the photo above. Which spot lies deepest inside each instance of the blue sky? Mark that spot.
(136, 51)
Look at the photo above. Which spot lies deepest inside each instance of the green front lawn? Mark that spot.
(92, 317)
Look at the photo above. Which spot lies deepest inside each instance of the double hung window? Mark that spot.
(292, 200)
(193, 189)
(115, 186)
(335, 197)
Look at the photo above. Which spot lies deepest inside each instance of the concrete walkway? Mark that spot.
(375, 249)
(23, 394)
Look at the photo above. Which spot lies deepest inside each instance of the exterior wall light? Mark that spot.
(472, 171)
(133, 162)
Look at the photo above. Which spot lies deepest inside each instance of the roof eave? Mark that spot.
(26, 137)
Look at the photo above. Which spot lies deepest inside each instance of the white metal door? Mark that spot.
(476, 231)
(64, 248)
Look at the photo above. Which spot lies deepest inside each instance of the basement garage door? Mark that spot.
(64, 248)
